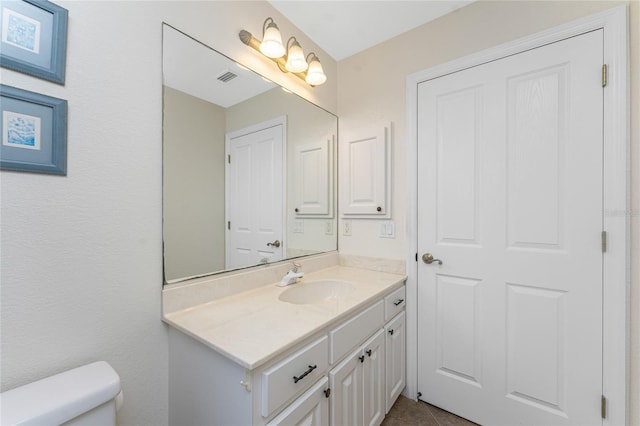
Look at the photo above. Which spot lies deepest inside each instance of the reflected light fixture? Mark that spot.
(290, 59)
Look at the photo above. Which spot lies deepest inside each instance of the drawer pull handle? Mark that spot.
(369, 352)
(391, 332)
(327, 392)
(303, 375)
(361, 358)
(398, 301)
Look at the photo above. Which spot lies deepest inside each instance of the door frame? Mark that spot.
(278, 121)
(616, 219)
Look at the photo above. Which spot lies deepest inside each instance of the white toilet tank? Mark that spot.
(89, 395)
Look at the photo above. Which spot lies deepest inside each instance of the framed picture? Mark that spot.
(33, 38)
(33, 128)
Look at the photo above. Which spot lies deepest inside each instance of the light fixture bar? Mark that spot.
(247, 38)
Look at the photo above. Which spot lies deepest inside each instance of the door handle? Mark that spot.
(428, 259)
(275, 244)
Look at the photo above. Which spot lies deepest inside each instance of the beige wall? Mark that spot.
(371, 91)
(193, 185)
(81, 256)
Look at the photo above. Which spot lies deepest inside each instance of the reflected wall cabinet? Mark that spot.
(313, 165)
(366, 174)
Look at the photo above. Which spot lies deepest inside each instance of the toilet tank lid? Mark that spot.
(60, 398)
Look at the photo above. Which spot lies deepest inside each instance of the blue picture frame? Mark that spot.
(33, 38)
(33, 132)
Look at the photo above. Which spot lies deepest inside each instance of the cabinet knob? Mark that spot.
(361, 358)
(391, 332)
(297, 210)
(379, 209)
(398, 301)
(327, 392)
(369, 352)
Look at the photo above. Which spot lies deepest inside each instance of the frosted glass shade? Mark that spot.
(295, 59)
(271, 45)
(315, 73)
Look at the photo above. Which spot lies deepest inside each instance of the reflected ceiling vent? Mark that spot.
(226, 76)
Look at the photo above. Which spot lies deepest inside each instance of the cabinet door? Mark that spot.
(395, 332)
(311, 409)
(313, 179)
(366, 174)
(345, 382)
(373, 380)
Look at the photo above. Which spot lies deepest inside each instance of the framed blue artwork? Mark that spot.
(33, 38)
(33, 129)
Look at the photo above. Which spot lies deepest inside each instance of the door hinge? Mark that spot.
(229, 158)
(604, 75)
(604, 241)
(228, 225)
(603, 407)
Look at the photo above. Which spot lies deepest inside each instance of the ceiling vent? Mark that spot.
(226, 76)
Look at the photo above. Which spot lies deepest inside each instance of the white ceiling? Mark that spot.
(344, 28)
(341, 28)
(193, 68)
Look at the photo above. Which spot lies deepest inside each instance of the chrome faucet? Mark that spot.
(292, 276)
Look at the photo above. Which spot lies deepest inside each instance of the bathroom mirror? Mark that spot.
(249, 168)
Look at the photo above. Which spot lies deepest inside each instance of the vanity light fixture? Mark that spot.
(295, 57)
(271, 45)
(290, 59)
(315, 73)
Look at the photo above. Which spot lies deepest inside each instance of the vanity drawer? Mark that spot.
(394, 303)
(293, 375)
(351, 333)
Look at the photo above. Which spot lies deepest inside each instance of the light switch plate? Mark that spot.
(387, 229)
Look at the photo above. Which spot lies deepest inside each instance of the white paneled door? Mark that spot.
(510, 182)
(254, 195)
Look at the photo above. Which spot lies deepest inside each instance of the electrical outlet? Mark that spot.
(328, 227)
(346, 227)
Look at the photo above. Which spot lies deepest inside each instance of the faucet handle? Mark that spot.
(296, 266)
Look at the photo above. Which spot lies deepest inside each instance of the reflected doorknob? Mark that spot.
(428, 259)
(275, 244)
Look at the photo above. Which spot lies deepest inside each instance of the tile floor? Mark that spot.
(406, 412)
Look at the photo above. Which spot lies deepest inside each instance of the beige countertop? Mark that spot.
(254, 327)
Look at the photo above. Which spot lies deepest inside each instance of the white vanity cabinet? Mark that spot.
(346, 373)
(312, 408)
(357, 385)
(395, 334)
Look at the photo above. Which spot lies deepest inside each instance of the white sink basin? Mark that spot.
(318, 291)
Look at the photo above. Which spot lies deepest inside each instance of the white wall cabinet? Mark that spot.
(340, 376)
(366, 174)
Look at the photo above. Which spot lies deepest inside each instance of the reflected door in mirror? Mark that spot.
(255, 195)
